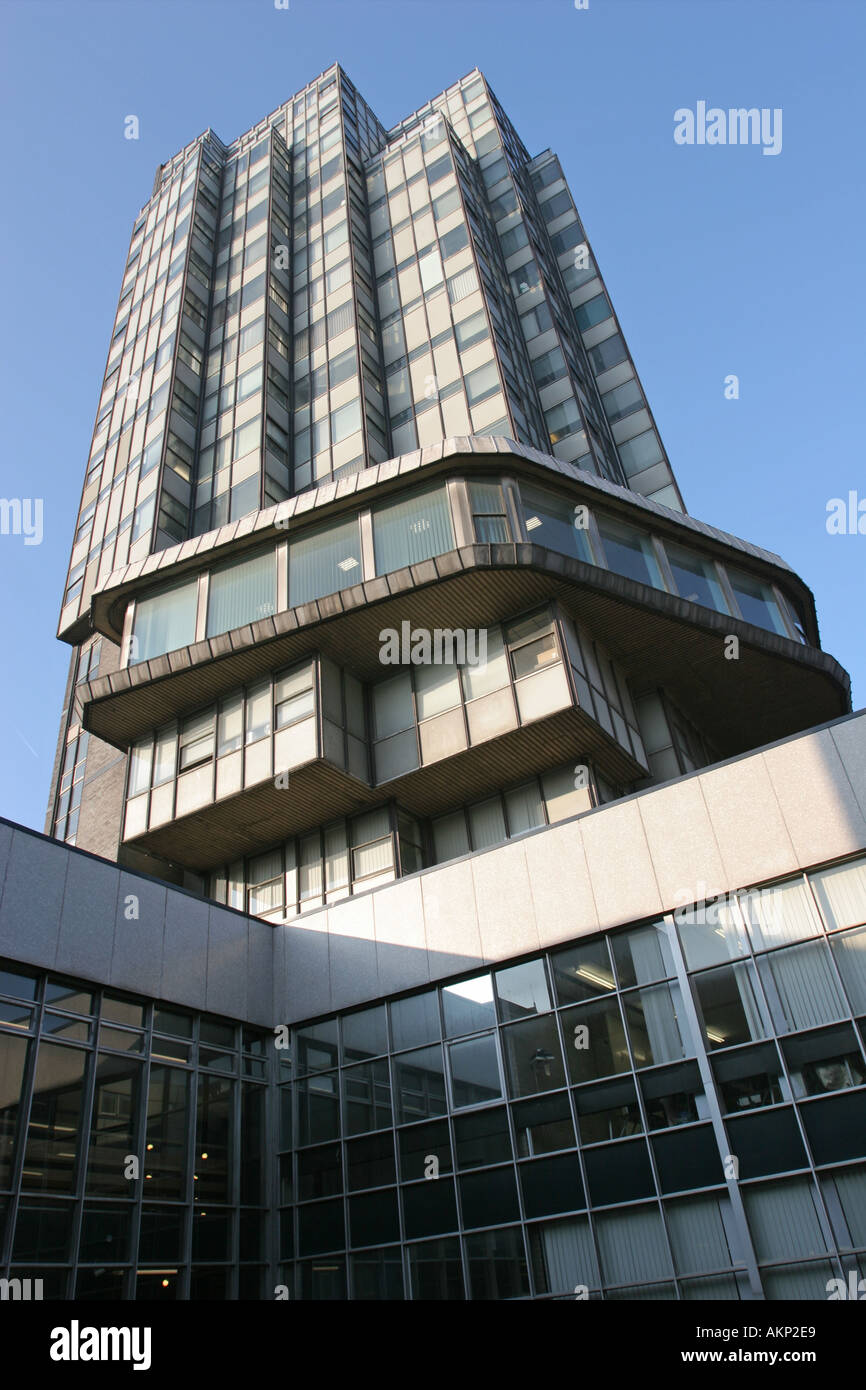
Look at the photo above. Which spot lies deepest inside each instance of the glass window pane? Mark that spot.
(543, 1126)
(13, 1057)
(522, 990)
(629, 552)
(654, 1024)
(482, 1138)
(695, 578)
(642, 955)
(114, 1127)
(165, 622)
(533, 1057)
(595, 1042)
(437, 688)
(55, 1117)
(365, 1034)
(801, 987)
(730, 1001)
(582, 971)
(488, 675)
(756, 602)
(415, 1021)
(242, 593)
(165, 1168)
(468, 1006)
(551, 521)
(474, 1071)
(841, 892)
(325, 562)
(410, 531)
(780, 914)
(419, 1080)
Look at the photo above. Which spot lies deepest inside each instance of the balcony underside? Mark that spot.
(264, 814)
(777, 687)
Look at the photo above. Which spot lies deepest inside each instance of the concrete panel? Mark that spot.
(506, 915)
(752, 837)
(451, 919)
(352, 956)
(685, 856)
(815, 797)
(261, 941)
(136, 961)
(184, 959)
(86, 937)
(307, 979)
(6, 833)
(228, 938)
(560, 884)
(850, 740)
(401, 943)
(32, 899)
(619, 864)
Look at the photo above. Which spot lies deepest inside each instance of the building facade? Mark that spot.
(432, 910)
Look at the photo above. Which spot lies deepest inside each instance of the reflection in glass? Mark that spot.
(522, 990)
(113, 1127)
(474, 1071)
(468, 1006)
(730, 1004)
(595, 1042)
(55, 1117)
(533, 1057)
(607, 1112)
(543, 1126)
(214, 1127)
(582, 971)
(653, 1018)
(419, 1081)
(165, 1142)
(674, 1096)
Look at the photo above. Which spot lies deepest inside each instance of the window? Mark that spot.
(695, 578)
(550, 366)
(756, 602)
(294, 697)
(258, 713)
(471, 331)
(407, 532)
(165, 622)
(454, 241)
(242, 593)
(629, 552)
(563, 420)
(488, 513)
(197, 740)
(622, 400)
(481, 383)
(552, 522)
(325, 562)
(531, 644)
(592, 312)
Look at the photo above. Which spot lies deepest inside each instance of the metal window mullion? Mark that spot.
(735, 1196)
(578, 1147)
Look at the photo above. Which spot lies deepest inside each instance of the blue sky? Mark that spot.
(719, 260)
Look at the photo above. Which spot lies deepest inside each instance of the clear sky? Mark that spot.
(719, 260)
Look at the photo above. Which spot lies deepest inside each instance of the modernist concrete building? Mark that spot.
(458, 881)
